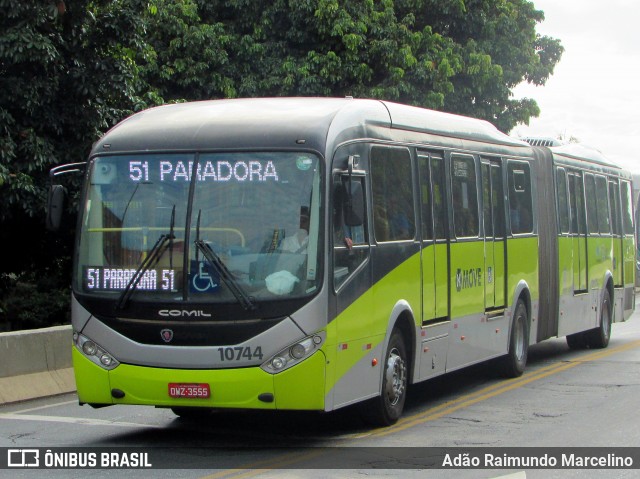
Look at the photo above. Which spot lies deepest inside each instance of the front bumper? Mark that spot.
(302, 387)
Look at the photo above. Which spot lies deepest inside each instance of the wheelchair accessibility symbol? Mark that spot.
(203, 281)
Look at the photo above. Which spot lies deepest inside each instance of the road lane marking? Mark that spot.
(39, 408)
(74, 420)
(492, 391)
(287, 459)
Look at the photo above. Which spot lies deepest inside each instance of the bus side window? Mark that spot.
(425, 197)
(350, 243)
(592, 207)
(438, 179)
(563, 205)
(393, 211)
(614, 200)
(602, 202)
(465, 196)
(627, 208)
(520, 201)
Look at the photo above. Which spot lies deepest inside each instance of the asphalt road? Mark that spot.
(566, 399)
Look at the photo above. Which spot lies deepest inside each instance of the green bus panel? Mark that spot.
(599, 260)
(629, 254)
(579, 255)
(357, 335)
(467, 278)
(435, 271)
(565, 265)
(92, 381)
(522, 264)
(498, 273)
(618, 262)
(299, 387)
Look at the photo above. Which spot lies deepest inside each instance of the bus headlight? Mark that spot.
(94, 352)
(293, 354)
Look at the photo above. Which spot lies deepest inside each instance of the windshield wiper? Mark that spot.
(225, 275)
(152, 258)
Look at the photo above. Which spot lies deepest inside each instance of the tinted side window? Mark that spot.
(627, 208)
(592, 207)
(563, 206)
(520, 200)
(614, 201)
(576, 197)
(465, 196)
(351, 246)
(425, 196)
(439, 180)
(498, 201)
(393, 213)
(602, 202)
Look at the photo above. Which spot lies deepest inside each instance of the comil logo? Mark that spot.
(23, 458)
(180, 313)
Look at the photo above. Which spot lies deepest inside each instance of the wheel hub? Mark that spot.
(396, 374)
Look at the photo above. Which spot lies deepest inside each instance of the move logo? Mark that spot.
(468, 278)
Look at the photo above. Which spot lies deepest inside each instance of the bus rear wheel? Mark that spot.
(599, 337)
(577, 341)
(512, 365)
(386, 409)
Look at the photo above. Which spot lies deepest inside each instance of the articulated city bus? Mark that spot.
(311, 254)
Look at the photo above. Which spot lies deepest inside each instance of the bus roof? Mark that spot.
(286, 122)
(581, 152)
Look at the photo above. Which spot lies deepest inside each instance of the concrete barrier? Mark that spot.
(35, 363)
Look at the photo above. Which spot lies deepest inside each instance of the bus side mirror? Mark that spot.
(55, 207)
(58, 194)
(354, 204)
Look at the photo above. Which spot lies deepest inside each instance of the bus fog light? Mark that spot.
(89, 348)
(294, 353)
(278, 363)
(297, 351)
(94, 352)
(106, 359)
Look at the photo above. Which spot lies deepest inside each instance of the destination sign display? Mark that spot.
(101, 278)
(216, 171)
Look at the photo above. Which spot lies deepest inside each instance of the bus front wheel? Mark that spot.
(386, 409)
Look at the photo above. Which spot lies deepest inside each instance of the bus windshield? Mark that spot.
(215, 227)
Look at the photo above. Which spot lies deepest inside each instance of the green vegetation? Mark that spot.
(71, 70)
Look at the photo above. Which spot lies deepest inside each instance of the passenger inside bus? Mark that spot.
(297, 242)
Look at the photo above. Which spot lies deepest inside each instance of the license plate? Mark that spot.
(189, 391)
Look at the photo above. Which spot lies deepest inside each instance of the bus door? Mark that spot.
(628, 247)
(616, 227)
(435, 296)
(494, 244)
(435, 264)
(578, 232)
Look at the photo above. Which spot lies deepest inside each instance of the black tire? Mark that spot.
(512, 365)
(577, 341)
(386, 409)
(599, 337)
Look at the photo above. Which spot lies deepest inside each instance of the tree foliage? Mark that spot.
(68, 72)
(71, 69)
(455, 55)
